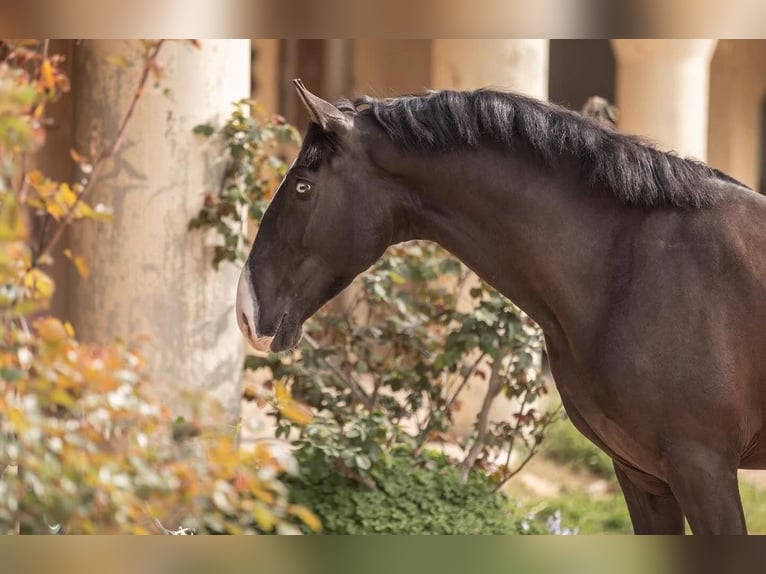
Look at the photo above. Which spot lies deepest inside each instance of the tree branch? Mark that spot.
(105, 154)
(495, 386)
(349, 382)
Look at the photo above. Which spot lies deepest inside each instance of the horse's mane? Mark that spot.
(630, 168)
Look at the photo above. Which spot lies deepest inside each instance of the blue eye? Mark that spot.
(302, 187)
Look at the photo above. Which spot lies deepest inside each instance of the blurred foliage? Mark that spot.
(565, 445)
(420, 494)
(388, 368)
(84, 447)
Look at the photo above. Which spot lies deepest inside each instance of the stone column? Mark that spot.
(149, 275)
(517, 65)
(662, 91)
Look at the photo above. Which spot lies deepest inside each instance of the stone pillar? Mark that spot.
(517, 65)
(662, 91)
(149, 275)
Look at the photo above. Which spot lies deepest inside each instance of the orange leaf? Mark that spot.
(79, 262)
(307, 517)
(55, 210)
(51, 330)
(47, 78)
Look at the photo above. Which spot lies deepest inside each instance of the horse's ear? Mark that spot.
(322, 112)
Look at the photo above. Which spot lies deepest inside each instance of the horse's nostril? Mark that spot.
(246, 323)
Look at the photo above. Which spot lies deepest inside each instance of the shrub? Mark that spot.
(416, 494)
(83, 446)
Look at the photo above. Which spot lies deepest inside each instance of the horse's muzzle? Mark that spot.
(247, 314)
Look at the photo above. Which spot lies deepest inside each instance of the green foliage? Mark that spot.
(565, 445)
(415, 495)
(586, 514)
(255, 143)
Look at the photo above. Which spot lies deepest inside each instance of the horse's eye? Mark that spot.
(302, 187)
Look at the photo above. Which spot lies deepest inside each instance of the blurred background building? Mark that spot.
(702, 98)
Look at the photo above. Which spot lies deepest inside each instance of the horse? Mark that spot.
(645, 271)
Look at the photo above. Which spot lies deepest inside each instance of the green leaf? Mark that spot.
(362, 462)
(204, 130)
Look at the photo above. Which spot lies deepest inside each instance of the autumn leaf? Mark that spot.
(55, 210)
(79, 263)
(297, 413)
(82, 161)
(39, 283)
(264, 517)
(306, 516)
(51, 330)
(47, 78)
(289, 408)
(11, 223)
(67, 196)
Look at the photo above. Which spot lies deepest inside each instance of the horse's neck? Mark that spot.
(523, 229)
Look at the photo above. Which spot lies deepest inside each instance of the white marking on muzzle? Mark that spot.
(247, 313)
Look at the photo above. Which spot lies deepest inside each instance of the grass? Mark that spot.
(606, 513)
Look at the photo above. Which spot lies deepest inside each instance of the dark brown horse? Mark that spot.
(645, 270)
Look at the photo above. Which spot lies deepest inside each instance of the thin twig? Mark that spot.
(348, 381)
(533, 451)
(465, 380)
(105, 154)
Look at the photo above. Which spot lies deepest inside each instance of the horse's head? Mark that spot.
(331, 218)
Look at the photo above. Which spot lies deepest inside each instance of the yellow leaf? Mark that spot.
(11, 221)
(265, 518)
(69, 329)
(61, 397)
(281, 392)
(79, 262)
(295, 412)
(36, 202)
(66, 195)
(51, 330)
(40, 284)
(41, 184)
(82, 267)
(55, 210)
(263, 495)
(46, 75)
(306, 516)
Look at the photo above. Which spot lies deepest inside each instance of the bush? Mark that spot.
(84, 448)
(416, 494)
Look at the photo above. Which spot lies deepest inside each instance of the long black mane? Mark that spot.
(628, 167)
